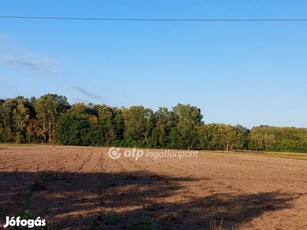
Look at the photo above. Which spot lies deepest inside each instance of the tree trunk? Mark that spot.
(49, 136)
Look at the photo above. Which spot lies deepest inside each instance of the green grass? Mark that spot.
(19, 144)
(142, 223)
(297, 156)
(285, 155)
(214, 225)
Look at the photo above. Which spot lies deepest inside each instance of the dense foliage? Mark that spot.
(51, 119)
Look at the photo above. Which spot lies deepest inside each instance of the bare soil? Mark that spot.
(82, 188)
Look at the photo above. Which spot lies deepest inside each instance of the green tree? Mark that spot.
(21, 118)
(8, 108)
(164, 122)
(261, 139)
(1, 122)
(138, 123)
(188, 118)
(222, 137)
(74, 129)
(48, 108)
(278, 139)
(105, 124)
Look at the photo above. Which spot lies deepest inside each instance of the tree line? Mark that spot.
(51, 119)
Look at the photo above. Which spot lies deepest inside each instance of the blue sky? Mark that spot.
(246, 73)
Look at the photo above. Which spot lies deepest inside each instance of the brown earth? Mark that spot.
(82, 188)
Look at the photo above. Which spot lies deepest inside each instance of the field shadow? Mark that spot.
(138, 200)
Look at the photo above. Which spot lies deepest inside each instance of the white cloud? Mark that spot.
(87, 93)
(78, 100)
(13, 55)
(32, 64)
